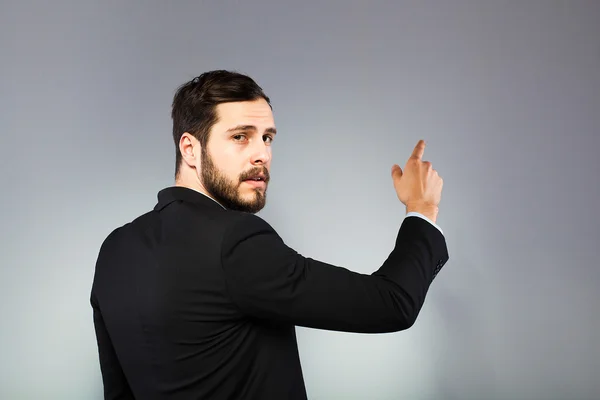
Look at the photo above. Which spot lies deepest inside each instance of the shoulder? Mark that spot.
(247, 230)
(246, 222)
(113, 241)
(240, 225)
(122, 234)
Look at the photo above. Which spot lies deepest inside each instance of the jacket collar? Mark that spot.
(179, 193)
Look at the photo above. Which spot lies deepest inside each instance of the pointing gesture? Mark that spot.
(418, 150)
(419, 187)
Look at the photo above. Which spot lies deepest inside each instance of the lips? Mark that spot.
(257, 179)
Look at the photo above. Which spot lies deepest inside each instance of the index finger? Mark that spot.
(419, 150)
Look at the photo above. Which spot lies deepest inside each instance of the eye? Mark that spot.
(239, 137)
(268, 138)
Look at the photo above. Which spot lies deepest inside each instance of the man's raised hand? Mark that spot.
(419, 187)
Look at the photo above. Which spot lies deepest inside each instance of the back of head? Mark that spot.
(194, 104)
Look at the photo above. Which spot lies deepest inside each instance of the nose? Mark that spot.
(261, 153)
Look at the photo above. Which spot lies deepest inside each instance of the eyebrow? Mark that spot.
(251, 128)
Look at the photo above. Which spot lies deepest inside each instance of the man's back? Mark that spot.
(194, 301)
(161, 301)
(199, 298)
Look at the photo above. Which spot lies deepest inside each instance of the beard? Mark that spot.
(226, 191)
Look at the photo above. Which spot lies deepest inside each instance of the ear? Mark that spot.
(190, 149)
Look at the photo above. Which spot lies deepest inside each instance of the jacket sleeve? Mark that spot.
(267, 279)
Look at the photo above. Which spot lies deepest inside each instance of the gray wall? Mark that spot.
(507, 93)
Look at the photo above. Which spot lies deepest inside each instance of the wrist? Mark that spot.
(429, 211)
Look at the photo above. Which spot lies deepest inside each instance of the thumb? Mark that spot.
(396, 171)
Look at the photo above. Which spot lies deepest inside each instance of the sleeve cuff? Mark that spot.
(416, 214)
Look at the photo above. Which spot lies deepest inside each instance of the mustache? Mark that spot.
(256, 172)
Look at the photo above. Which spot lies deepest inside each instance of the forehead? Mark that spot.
(256, 112)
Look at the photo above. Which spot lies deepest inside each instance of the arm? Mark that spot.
(269, 280)
(115, 383)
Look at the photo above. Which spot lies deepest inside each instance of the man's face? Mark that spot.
(235, 164)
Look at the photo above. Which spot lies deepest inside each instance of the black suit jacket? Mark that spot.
(192, 301)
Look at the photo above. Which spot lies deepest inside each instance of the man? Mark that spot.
(199, 297)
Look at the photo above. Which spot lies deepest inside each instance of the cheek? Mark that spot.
(228, 166)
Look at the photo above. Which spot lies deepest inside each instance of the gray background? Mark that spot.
(507, 93)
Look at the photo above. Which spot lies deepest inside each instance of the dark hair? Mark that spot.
(195, 102)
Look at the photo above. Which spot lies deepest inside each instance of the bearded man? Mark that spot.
(199, 297)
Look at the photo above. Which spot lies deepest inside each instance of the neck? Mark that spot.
(197, 186)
